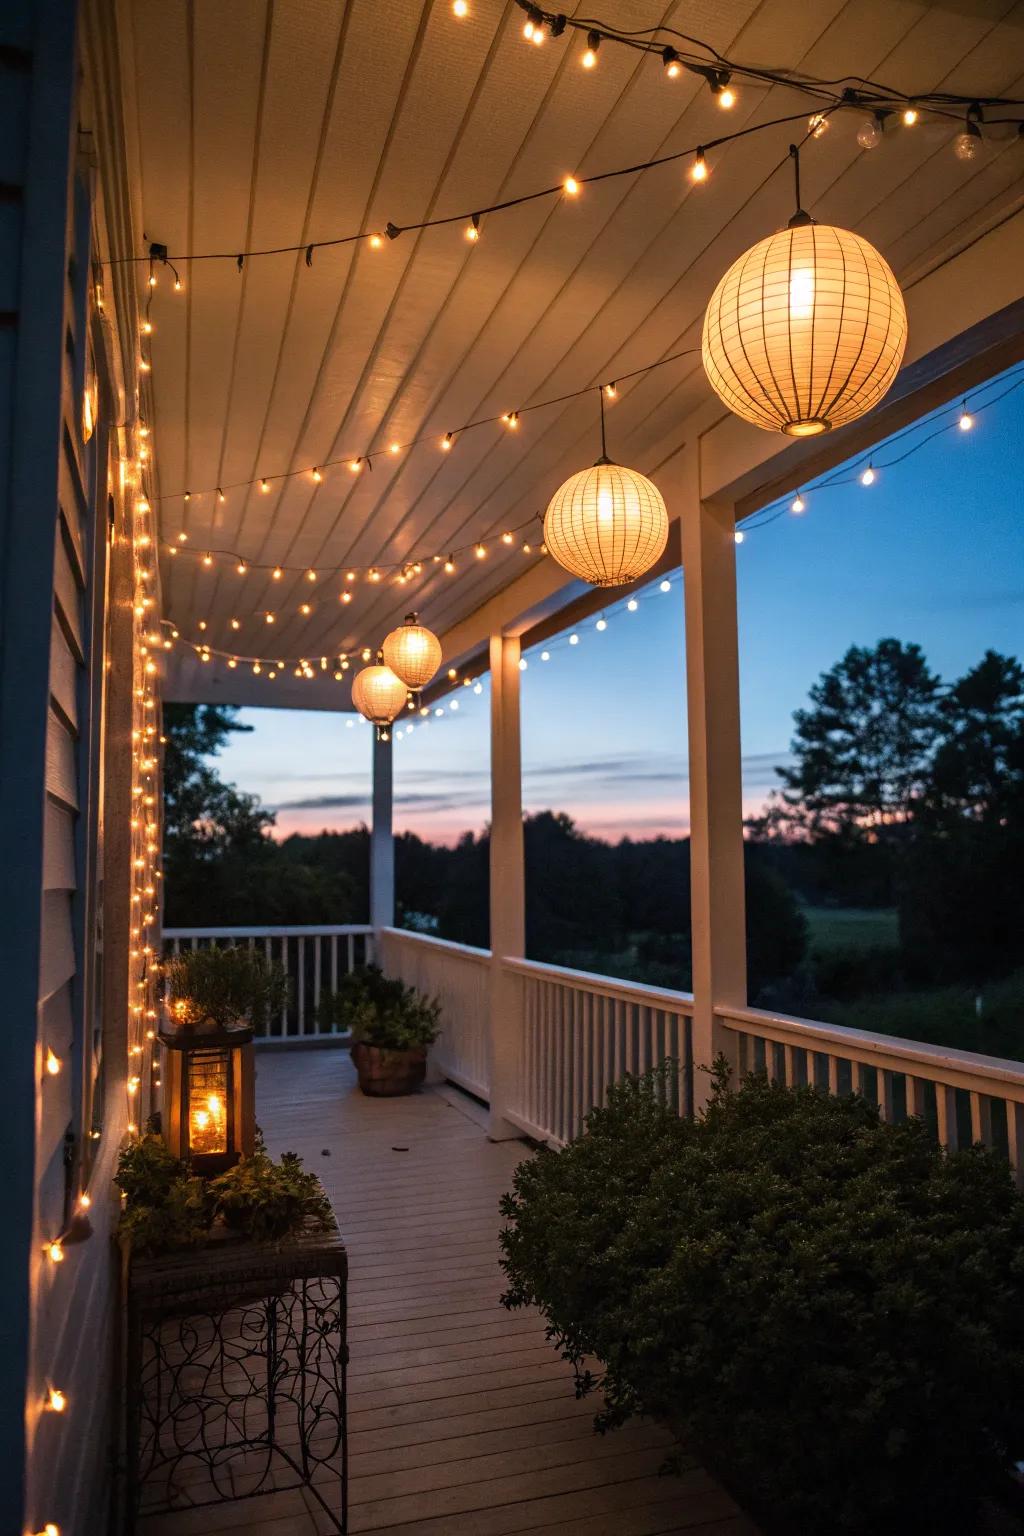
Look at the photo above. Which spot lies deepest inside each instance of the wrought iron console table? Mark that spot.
(236, 1375)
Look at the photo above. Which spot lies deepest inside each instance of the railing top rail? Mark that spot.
(427, 940)
(244, 931)
(895, 1053)
(608, 986)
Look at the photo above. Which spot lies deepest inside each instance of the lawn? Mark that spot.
(849, 929)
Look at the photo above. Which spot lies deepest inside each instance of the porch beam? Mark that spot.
(718, 924)
(507, 885)
(382, 837)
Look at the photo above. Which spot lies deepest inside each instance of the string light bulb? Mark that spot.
(571, 186)
(55, 1251)
(589, 58)
(671, 62)
(317, 476)
(967, 143)
(264, 486)
(52, 1062)
(472, 234)
(460, 8)
(699, 168)
(966, 421)
(376, 241)
(798, 504)
(724, 94)
(447, 440)
(868, 477)
(818, 125)
(910, 115)
(871, 131)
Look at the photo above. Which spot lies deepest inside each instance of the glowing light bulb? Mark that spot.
(311, 574)
(610, 391)
(671, 62)
(55, 1251)
(449, 566)
(220, 494)
(276, 573)
(801, 294)
(605, 503)
(817, 125)
(910, 115)
(726, 98)
(269, 618)
(868, 477)
(472, 233)
(264, 486)
(305, 609)
(395, 448)
(481, 552)
(242, 567)
(699, 168)
(447, 440)
(52, 1062)
(798, 504)
(376, 241)
(460, 8)
(739, 536)
(601, 625)
(182, 538)
(589, 58)
(511, 420)
(345, 597)
(966, 421)
(571, 186)
(574, 639)
(632, 605)
(355, 465)
(545, 655)
(522, 663)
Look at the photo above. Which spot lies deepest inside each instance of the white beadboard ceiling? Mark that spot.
(266, 122)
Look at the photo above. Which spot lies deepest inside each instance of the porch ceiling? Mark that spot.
(260, 123)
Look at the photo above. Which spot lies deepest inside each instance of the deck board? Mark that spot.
(462, 1419)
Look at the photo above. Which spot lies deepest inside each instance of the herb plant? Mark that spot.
(221, 986)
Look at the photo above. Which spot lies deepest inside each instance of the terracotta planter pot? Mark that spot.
(386, 1074)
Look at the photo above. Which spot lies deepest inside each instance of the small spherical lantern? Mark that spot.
(607, 525)
(413, 653)
(378, 695)
(806, 331)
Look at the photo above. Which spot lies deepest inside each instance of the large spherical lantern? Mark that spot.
(413, 653)
(379, 696)
(607, 525)
(805, 332)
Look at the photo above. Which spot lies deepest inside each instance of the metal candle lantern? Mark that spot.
(209, 1095)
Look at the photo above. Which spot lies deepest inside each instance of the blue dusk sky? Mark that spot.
(932, 552)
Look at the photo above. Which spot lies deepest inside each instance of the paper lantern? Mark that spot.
(607, 525)
(806, 331)
(378, 695)
(413, 653)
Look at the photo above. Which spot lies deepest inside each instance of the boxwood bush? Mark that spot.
(827, 1307)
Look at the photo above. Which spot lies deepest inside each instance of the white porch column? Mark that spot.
(382, 841)
(718, 924)
(508, 909)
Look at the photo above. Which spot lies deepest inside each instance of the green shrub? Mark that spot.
(829, 1307)
(224, 985)
(381, 1010)
(267, 1201)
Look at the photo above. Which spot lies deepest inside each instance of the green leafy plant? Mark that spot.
(829, 1307)
(268, 1201)
(223, 985)
(165, 1208)
(381, 1011)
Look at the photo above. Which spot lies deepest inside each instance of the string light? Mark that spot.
(473, 234)
(571, 186)
(56, 1401)
(52, 1062)
(909, 115)
(966, 420)
(868, 476)
(589, 58)
(699, 168)
(460, 8)
(798, 504)
(55, 1251)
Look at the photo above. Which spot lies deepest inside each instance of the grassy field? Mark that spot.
(851, 928)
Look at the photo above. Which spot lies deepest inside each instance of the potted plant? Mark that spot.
(391, 1025)
(220, 988)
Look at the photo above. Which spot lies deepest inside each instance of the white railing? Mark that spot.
(581, 1032)
(966, 1097)
(314, 959)
(459, 976)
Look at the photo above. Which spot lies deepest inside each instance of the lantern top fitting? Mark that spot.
(807, 330)
(180, 1036)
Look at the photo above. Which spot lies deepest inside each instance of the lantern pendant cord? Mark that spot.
(795, 155)
(604, 446)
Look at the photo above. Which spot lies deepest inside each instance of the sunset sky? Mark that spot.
(933, 551)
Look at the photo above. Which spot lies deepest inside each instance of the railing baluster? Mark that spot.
(352, 950)
(1015, 1138)
(945, 1107)
(885, 1096)
(317, 951)
(915, 1095)
(981, 1118)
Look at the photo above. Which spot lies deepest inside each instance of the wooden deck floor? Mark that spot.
(462, 1420)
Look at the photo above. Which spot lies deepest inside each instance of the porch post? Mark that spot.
(382, 841)
(718, 924)
(508, 911)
